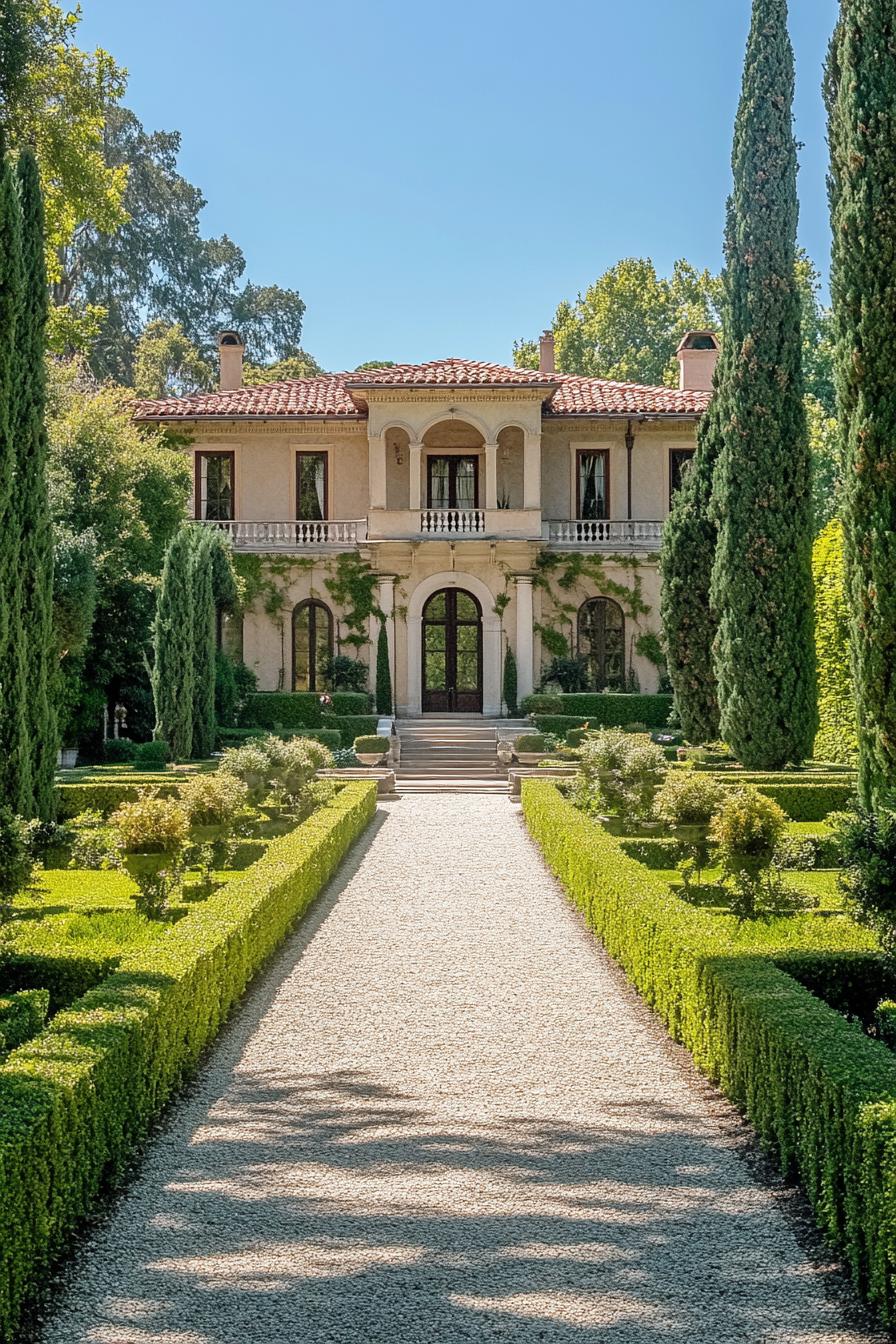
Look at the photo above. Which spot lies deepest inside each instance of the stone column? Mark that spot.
(491, 475)
(532, 470)
(524, 635)
(377, 470)
(415, 461)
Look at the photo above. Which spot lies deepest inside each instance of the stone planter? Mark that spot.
(207, 835)
(371, 758)
(532, 757)
(68, 758)
(146, 865)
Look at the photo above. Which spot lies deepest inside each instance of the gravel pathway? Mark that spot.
(442, 1117)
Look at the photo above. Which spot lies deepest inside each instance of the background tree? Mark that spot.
(156, 267)
(31, 509)
(628, 324)
(174, 647)
(836, 739)
(168, 364)
(860, 91)
(375, 364)
(764, 655)
(300, 365)
(123, 491)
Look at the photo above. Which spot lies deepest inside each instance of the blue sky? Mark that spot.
(433, 179)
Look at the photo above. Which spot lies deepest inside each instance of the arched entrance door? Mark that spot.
(452, 653)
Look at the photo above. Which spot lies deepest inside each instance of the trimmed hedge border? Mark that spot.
(602, 711)
(238, 737)
(105, 796)
(299, 709)
(76, 1100)
(819, 1093)
(350, 726)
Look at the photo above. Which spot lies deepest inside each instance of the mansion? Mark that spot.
(489, 507)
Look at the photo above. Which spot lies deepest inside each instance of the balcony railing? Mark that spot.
(603, 532)
(290, 536)
(452, 522)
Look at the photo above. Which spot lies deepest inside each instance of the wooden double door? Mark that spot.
(452, 653)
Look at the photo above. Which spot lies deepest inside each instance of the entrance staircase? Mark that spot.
(452, 753)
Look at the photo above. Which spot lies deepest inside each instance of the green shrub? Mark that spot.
(837, 736)
(509, 690)
(621, 773)
(820, 1095)
(63, 973)
(655, 851)
(118, 750)
(885, 1021)
(603, 711)
(747, 827)
(809, 802)
(215, 799)
(150, 825)
(300, 709)
(688, 799)
(16, 861)
(852, 983)
(542, 702)
(94, 842)
(867, 844)
(235, 737)
(532, 742)
(22, 1015)
(576, 736)
(346, 674)
(371, 745)
(76, 1100)
(151, 755)
(350, 726)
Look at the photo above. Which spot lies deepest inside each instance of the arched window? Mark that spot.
(312, 645)
(602, 642)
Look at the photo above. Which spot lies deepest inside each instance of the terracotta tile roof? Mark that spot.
(600, 396)
(341, 395)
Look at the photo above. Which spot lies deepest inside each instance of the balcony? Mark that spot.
(452, 523)
(330, 534)
(604, 533)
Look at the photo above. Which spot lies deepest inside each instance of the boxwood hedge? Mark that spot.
(602, 711)
(75, 1100)
(820, 1094)
(107, 794)
(299, 709)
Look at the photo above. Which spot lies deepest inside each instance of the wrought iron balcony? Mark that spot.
(299, 535)
(604, 532)
(452, 522)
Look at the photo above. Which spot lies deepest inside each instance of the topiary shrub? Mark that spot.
(22, 1015)
(151, 755)
(530, 743)
(747, 828)
(117, 750)
(371, 746)
(686, 798)
(510, 683)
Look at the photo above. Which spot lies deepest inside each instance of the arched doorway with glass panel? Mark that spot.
(602, 643)
(452, 653)
(312, 645)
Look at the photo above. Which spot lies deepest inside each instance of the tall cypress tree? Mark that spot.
(383, 672)
(38, 663)
(761, 590)
(204, 643)
(860, 91)
(686, 559)
(15, 786)
(173, 675)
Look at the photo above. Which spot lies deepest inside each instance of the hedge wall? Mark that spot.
(66, 977)
(607, 711)
(350, 726)
(809, 802)
(76, 1099)
(837, 738)
(105, 795)
(820, 1094)
(236, 737)
(299, 709)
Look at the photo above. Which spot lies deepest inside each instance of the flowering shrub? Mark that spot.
(93, 844)
(213, 799)
(251, 765)
(620, 771)
(150, 825)
(686, 798)
(747, 828)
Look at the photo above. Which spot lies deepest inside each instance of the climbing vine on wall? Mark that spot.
(561, 575)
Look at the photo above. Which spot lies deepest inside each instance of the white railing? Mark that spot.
(286, 536)
(603, 532)
(452, 522)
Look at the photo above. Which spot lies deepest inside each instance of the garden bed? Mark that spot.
(820, 1094)
(76, 1099)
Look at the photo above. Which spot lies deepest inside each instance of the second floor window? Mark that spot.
(311, 487)
(679, 465)
(214, 486)
(593, 484)
(453, 483)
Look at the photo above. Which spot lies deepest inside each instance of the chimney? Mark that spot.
(230, 357)
(697, 355)
(546, 353)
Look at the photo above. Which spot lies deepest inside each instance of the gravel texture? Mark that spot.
(441, 1116)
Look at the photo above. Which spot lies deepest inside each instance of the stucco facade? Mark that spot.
(533, 493)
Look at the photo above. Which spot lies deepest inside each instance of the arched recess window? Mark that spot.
(312, 645)
(602, 642)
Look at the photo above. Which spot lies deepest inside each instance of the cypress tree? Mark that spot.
(686, 558)
(761, 589)
(173, 675)
(860, 91)
(383, 672)
(510, 682)
(38, 666)
(15, 786)
(204, 643)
